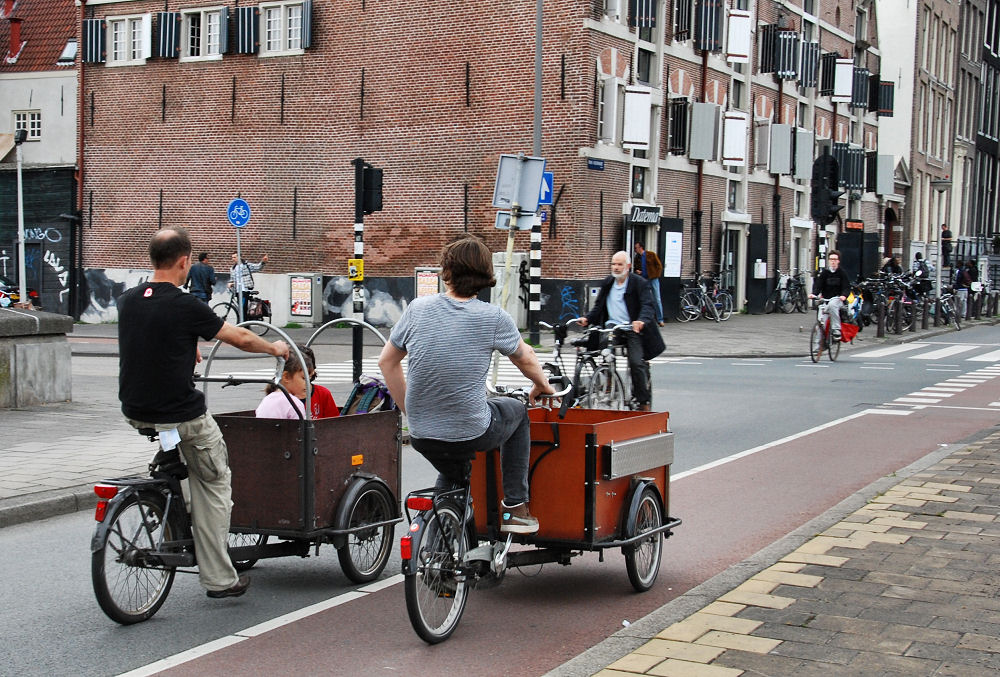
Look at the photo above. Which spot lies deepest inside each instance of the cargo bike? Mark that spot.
(296, 484)
(598, 479)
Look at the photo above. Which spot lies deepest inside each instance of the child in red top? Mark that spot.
(322, 403)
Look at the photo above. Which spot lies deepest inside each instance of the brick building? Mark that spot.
(676, 123)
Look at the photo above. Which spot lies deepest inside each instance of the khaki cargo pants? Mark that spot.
(210, 489)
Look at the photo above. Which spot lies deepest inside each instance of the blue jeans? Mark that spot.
(509, 429)
(654, 284)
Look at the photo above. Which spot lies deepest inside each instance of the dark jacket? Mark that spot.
(831, 283)
(639, 301)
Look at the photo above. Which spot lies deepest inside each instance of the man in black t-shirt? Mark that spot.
(833, 285)
(158, 331)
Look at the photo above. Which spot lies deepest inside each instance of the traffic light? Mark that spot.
(372, 198)
(825, 190)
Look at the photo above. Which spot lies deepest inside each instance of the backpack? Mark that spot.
(367, 396)
(925, 272)
(962, 278)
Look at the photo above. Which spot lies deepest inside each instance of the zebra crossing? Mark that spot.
(939, 393)
(930, 352)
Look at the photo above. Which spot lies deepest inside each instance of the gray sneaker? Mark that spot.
(517, 519)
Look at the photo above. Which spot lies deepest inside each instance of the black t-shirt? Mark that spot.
(832, 283)
(158, 331)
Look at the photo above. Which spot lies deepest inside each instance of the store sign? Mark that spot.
(851, 224)
(641, 214)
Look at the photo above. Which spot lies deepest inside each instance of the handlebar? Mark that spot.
(522, 393)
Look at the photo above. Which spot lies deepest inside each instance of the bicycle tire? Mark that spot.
(126, 591)
(367, 551)
(772, 301)
(724, 305)
(816, 339)
(240, 540)
(584, 371)
(642, 559)
(956, 319)
(227, 311)
(688, 309)
(833, 348)
(606, 390)
(787, 302)
(436, 593)
(801, 302)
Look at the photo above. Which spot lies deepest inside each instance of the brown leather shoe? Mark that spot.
(645, 407)
(660, 323)
(234, 590)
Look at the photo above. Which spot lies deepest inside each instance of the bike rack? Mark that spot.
(357, 342)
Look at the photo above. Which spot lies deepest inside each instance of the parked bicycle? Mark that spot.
(257, 309)
(705, 298)
(789, 295)
(949, 311)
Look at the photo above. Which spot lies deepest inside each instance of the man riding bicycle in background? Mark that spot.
(625, 298)
(450, 339)
(158, 331)
(833, 285)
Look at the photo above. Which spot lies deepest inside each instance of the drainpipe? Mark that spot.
(697, 214)
(77, 262)
(776, 204)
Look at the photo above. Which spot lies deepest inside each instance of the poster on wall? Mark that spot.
(672, 255)
(427, 281)
(301, 295)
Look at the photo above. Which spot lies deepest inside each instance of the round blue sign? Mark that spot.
(238, 212)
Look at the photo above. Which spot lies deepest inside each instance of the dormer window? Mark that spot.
(68, 56)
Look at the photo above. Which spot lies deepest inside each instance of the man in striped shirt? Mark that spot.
(450, 339)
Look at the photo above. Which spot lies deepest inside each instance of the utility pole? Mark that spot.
(20, 136)
(367, 199)
(535, 250)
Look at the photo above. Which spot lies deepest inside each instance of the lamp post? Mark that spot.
(941, 186)
(20, 135)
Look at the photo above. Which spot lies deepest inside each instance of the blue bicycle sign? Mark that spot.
(238, 212)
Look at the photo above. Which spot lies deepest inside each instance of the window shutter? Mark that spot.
(738, 36)
(809, 70)
(704, 131)
(767, 39)
(871, 171)
(306, 24)
(786, 56)
(761, 140)
(224, 30)
(610, 110)
(779, 157)
(859, 90)
(885, 181)
(804, 141)
(886, 98)
(828, 71)
(734, 139)
(682, 19)
(168, 34)
(873, 92)
(843, 81)
(839, 152)
(678, 126)
(247, 30)
(642, 13)
(638, 114)
(147, 35)
(708, 27)
(94, 41)
(858, 167)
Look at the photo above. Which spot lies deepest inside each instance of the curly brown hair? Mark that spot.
(467, 266)
(292, 366)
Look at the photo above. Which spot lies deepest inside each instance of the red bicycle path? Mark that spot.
(533, 623)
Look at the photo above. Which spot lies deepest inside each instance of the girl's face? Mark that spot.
(295, 383)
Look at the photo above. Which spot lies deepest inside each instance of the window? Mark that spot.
(281, 26)
(202, 37)
(68, 55)
(643, 71)
(638, 182)
(677, 144)
(733, 196)
(30, 120)
(682, 19)
(128, 39)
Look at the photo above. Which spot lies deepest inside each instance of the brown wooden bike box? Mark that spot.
(282, 482)
(582, 471)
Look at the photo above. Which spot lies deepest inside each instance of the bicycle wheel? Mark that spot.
(801, 302)
(128, 589)
(242, 540)
(772, 301)
(724, 305)
(787, 301)
(227, 311)
(585, 368)
(436, 594)
(690, 307)
(642, 559)
(955, 317)
(367, 550)
(816, 340)
(606, 390)
(833, 348)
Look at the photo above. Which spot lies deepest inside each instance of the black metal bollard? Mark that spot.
(880, 319)
(937, 311)
(979, 305)
(924, 314)
(897, 318)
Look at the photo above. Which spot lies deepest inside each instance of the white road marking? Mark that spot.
(917, 400)
(883, 368)
(991, 356)
(893, 350)
(947, 351)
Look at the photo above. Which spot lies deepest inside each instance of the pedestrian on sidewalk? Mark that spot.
(946, 240)
(625, 298)
(241, 278)
(201, 278)
(158, 331)
(647, 265)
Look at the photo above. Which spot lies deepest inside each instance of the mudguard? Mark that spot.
(347, 500)
(633, 505)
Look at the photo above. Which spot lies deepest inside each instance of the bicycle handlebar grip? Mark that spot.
(279, 370)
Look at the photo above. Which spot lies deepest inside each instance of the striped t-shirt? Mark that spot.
(449, 344)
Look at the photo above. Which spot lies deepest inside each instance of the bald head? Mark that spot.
(620, 265)
(168, 245)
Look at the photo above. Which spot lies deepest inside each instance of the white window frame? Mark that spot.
(206, 46)
(286, 41)
(30, 120)
(135, 44)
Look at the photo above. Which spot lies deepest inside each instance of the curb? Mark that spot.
(45, 504)
(643, 630)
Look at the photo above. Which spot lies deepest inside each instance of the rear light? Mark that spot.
(405, 547)
(105, 491)
(33, 294)
(100, 511)
(419, 503)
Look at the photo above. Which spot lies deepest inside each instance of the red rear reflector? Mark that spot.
(100, 510)
(419, 503)
(405, 547)
(33, 294)
(105, 491)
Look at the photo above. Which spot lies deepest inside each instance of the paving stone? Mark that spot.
(675, 668)
(870, 663)
(790, 579)
(845, 624)
(761, 664)
(724, 608)
(815, 652)
(912, 633)
(807, 558)
(665, 648)
(859, 642)
(749, 598)
(729, 640)
(794, 633)
(635, 662)
(952, 654)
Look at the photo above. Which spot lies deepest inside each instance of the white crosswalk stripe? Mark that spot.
(947, 351)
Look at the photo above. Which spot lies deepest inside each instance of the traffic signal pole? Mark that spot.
(358, 292)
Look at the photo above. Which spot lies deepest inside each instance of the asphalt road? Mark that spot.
(807, 440)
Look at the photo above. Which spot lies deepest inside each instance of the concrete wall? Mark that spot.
(34, 358)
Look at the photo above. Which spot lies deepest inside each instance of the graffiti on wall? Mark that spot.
(569, 304)
(62, 274)
(385, 299)
(104, 286)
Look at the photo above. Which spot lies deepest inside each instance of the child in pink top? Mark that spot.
(275, 404)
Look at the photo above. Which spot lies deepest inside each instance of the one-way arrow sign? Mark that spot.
(545, 190)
